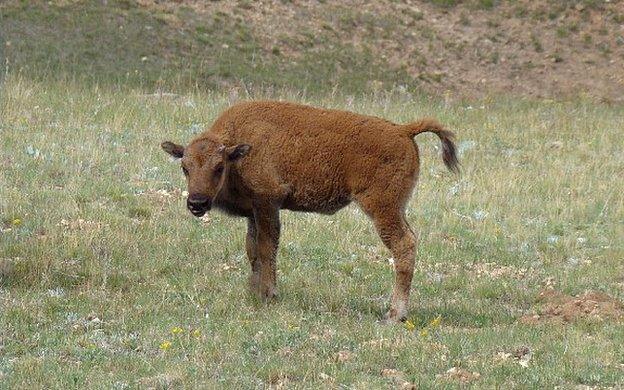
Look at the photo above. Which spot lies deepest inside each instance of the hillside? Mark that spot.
(440, 47)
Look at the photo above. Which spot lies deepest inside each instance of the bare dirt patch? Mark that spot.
(457, 374)
(398, 378)
(539, 49)
(162, 197)
(559, 307)
(470, 48)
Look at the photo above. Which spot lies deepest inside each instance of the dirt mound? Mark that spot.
(559, 307)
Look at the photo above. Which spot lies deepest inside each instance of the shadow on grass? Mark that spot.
(460, 314)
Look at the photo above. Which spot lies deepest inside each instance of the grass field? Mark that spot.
(106, 281)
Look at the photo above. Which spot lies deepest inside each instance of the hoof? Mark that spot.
(268, 294)
(263, 294)
(393, 317)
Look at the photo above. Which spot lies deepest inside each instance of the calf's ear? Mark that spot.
(237, 152)
(175, 150)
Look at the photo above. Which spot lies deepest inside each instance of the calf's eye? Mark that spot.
(218, 170)
(186, 173)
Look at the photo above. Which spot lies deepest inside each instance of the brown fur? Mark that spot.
(260, 157)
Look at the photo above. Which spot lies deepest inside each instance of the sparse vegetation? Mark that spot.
(562, 32)
(537, 44)
(445, 3)
(486, 4)
(605, 49)
(173, 46)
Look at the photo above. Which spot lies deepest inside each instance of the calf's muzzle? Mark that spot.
(198, 204)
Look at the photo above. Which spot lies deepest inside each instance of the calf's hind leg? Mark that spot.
(398, 237)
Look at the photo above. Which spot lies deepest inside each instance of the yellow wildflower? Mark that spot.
(197, 333)
(424, 333)
(436, 322)
(177, 330)
(16, 221)
(165, 345)
(409, 325)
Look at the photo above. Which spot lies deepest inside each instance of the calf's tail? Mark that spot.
(449, 152)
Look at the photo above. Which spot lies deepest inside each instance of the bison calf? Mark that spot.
(260, 157)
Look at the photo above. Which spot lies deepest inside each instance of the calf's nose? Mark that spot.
(198, 204)
(197, 199)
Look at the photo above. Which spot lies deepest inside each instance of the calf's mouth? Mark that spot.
(198, 213)
(198, 205)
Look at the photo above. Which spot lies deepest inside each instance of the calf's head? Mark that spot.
(206, 164)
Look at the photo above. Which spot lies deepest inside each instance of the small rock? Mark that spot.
(435, 277)
(572, 261)
(461, 375)
(344, 356)
(552, 239)
(503, 356)
(465, 146)
(454, 190)
(391, 373)
(555, 144)
(480, 215)
(408, 386)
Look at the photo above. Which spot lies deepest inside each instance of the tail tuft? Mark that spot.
(449, 152)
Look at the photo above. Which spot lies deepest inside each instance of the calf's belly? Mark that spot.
(322, 202)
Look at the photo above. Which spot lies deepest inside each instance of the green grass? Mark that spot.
(97, 268)
(176, 49)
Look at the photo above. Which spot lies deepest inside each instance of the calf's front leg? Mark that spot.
(267, 239)
(251, 245)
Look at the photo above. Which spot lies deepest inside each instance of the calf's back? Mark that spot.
(320, 157)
